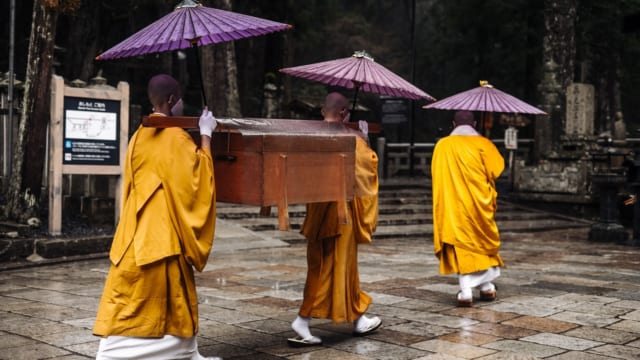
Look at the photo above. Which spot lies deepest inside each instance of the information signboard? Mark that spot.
(91, 129)
(394, 110)
(88, 135)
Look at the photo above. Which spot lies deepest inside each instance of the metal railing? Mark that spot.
(395, 157)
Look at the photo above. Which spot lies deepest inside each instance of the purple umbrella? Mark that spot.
(191, 24)
(359, 71)
(485, 98)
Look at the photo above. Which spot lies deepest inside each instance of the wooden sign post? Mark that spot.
(88, 134)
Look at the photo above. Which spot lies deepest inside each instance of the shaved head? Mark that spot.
(464, 117)
(335, 107)
(160, 89)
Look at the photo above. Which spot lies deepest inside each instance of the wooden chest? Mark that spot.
(267, 162)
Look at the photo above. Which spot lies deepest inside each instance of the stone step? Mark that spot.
(401, 200)
(425, 230)
(510, 218)
(389, 212)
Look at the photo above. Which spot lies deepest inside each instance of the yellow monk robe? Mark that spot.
(332, 290)
(464, 169)
(165, 230)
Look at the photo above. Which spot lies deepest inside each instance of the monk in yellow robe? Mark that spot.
(464, 168)
(332, 289)
(149, 307)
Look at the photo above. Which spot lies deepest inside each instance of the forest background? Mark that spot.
(443, 47)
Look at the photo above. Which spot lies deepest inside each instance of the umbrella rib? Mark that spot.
(211, 20)
(486, 101)
(378, 79)
(150, 40)
(174, 32)
(231, 26)
(189, 28)
(504, 101)
(156, 40)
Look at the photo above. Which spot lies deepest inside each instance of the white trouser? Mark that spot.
(132, 348)
(480, 279)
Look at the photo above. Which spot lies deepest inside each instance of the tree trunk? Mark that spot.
(220, 74)
(559, 52)
(229, 76)
(24, 191)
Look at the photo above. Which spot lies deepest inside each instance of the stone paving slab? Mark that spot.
(560, 297)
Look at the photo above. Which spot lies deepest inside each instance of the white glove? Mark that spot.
(363, 126)
(207, 123)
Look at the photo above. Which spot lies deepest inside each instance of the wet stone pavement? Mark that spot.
(560, 296)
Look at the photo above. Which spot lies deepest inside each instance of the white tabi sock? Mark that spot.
(301, 326)
(488, 286)
(473, 280)
(362, 322)
(465, 293)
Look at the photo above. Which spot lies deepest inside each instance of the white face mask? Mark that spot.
(176, 110)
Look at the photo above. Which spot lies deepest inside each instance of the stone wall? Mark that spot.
(554, 180)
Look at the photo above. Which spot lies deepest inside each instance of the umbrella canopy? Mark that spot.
(485, 98)
(359, 71)
(191, 24)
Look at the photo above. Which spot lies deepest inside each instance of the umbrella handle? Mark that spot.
(355, 99)
(194, 46)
